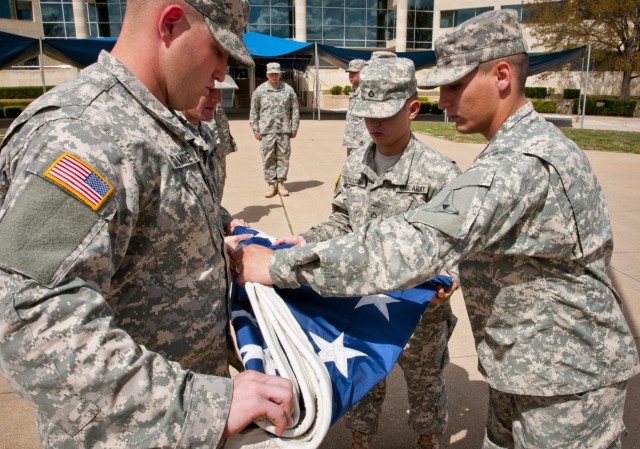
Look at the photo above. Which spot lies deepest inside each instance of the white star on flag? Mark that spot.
(336, 352)
(380, 301)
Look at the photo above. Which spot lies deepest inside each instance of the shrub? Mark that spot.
(571, 94)
(535, 92)
(12, 111)
(435, 109)
(608, 106)
(545, 106)
(336, 90)
(425, 105)
(25, 92)
(346, 90)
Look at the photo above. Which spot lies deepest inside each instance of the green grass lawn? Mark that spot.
(587, 139)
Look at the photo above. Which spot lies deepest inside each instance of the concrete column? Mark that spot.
(401, 25)
(300, 11)
(80, 19)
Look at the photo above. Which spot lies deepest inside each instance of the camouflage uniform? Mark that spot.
(362, 196)
(274, 115)
(225, 143)
(529, 228)
(355, 131)
(113, 315)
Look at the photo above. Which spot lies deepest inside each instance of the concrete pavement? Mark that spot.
(316, 161)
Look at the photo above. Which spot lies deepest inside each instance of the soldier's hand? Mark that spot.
(293, 239)
(258, 136)
(251, 263)
(292, 135)
(231, 242)
(257, 395)
(442, 294)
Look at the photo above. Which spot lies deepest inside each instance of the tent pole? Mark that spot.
(586, 86)
(317, 79)
(44, 86)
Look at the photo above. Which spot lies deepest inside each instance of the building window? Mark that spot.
(57, 18)
(272, 17)
(347, 23)
(420, 24)
(16, 10)
(454, 17)
(525, 12)
(104, 17)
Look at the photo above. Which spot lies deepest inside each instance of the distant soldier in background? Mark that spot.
(225, 143)
(274, 119)
(355, 132)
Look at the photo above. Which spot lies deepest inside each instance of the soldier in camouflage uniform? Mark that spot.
(113, 311)
(274, 119)
(199, 120)
(530, 230)
(393, 174)
(225, 143)
(355, 133)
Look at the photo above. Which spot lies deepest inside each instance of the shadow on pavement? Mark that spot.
(298, 186)
(252, 214)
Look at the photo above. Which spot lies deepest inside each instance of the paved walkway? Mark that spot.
(316, 161)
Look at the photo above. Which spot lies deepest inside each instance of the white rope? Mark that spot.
(295, 359)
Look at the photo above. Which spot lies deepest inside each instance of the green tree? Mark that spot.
(612, 27)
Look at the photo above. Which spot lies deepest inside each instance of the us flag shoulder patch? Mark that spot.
(81, 179)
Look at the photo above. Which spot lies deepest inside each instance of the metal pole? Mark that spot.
(586, 87)
(317, 79)
(44, 86)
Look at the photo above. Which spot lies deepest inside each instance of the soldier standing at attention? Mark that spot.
(528, 226)
(393, 174)
(113, 280)
(274, 119)
(355, 133)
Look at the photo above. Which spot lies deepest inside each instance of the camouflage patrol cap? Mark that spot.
(382, 54)
(385, 85)
(273, 67)
(226, 20)
(491, 35)
(228, 83)
(355, 65)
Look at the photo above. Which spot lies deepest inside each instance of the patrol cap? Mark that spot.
(491, 35)
(382, 54)
(385, 85)
(228, 83)
(355, 65)
(273, 67)
(227, 20)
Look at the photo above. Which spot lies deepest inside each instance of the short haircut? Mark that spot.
(519, 64)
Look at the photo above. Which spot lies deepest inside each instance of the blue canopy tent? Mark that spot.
(15, 49)
(77, 52)
(264, 48)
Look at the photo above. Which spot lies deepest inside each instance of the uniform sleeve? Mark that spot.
(254, 113)
(60, 347)
(295, 112)
(336, 225)
(476, 210)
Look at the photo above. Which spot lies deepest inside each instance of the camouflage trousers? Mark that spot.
(275, 149)
(592, 419)
(422, 361)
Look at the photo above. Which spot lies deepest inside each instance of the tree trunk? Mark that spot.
(625, 90)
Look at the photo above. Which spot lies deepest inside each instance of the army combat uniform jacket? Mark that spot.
(355, 131)
(529, 229)
(362, 195)
(274, 110)
(112, 299)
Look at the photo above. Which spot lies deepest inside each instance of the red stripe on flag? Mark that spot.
(73, 173)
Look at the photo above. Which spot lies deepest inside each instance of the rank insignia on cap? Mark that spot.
(80, 179)
(372, 93)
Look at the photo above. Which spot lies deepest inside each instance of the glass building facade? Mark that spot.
(104, 17)
(345, 23)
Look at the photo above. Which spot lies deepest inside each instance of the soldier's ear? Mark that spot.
(414, 108)
(169, 23)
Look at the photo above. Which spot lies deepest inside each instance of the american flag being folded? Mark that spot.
(356, 339)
